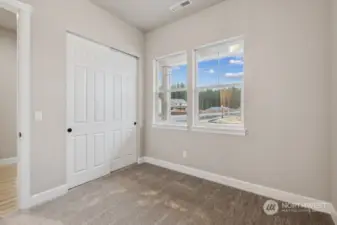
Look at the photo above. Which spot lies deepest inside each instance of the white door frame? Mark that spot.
(23, 12)
(139, 100)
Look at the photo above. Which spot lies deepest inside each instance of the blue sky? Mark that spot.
(226, 70)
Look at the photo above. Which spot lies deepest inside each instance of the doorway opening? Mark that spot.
(8, 112)
(15, 103)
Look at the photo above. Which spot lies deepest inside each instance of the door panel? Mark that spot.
(86, 105)
(99, 97)
(126, 139)
(125, 108)
(80, 150)
(117, 160)
(117, 97)
(117, 143)
(80, 89)
(101, 110)
(99, 149)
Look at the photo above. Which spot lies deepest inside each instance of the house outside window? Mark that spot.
(171, 89)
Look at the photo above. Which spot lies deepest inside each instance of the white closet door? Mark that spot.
(97, 118)
(124, 139)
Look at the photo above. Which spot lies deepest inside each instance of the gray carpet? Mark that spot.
(149, 195)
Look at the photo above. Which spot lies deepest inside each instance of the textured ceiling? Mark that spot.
(147, 15)
(7, 19)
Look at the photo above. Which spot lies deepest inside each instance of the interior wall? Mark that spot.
(333, 117)
(287, 105)
(8, 93)
(50, 22)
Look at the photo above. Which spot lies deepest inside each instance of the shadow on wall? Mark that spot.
(8, 84)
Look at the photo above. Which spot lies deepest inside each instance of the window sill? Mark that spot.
(170, 126)
(237, 131)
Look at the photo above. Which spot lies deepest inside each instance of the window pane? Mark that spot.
(179, 107)
(171, 89)
(220, 106)
(175, 111)
(161, 107)
(225, 70)
(160, 79)
(220, 64)
(178, 77)
(172, 72)
(220, 74)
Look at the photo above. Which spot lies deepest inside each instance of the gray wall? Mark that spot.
(8, 83)
(287, 75)
(50, 21)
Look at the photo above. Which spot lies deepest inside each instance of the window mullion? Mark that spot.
(190, 89)
(219, 86)
(177, 90)
(167, 93)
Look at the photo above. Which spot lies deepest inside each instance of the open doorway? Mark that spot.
(8, 112)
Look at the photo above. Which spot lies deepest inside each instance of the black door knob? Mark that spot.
(135, 123)
(69, 130)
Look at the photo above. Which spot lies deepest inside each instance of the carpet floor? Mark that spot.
(149, 195)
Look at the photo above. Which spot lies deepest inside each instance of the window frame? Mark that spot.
(233, 129)
(192, 116)
(167, 124)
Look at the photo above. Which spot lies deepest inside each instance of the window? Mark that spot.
(171, 90)
(216, 103)
(219, 85)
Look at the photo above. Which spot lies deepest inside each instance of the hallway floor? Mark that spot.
(149, 195)
(8, 196)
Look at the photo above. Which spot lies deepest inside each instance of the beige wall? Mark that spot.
(8, 82)
(287, 147)
(50, 21)
(287, 75)
(334, 104)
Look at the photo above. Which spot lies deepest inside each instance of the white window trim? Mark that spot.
(170, 126)
(192, 98)
(155, 122)
(230, 129)
(234, 130)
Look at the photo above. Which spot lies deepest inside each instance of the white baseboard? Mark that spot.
(334, 218)
(140, 160)
(49, 195)
(242, 185)
(334, 215)
(8, 161)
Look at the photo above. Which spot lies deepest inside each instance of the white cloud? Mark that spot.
(233, 74)
(233, 61)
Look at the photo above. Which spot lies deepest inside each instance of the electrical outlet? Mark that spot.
(38, 115)
(184, 154)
